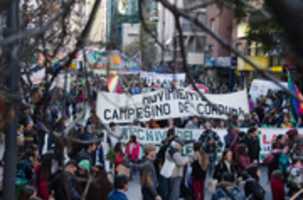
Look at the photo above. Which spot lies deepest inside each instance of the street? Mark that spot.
(134, 192)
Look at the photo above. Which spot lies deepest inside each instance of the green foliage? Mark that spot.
(261, 30)
(267, 33)
(111, 155)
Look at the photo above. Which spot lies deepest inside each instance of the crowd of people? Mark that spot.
(65, 152)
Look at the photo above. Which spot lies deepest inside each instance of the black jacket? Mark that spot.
(222, 168)
(197, 171)
(64, 186)
(254, 148)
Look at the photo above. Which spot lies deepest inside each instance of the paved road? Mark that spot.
(134, 192)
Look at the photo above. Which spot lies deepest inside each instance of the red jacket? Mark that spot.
(119, 159)
(134, 153)
(277, 187)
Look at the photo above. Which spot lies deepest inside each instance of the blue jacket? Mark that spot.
(116, 195)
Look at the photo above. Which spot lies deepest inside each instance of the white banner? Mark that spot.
(261, 87)
(165, 104)
(152, 77)
(155, 136)
(36, 77)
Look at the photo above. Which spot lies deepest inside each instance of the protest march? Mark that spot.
(151, 100)
(177, 142)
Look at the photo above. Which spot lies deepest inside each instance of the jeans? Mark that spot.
(163, 187)
(174, 188)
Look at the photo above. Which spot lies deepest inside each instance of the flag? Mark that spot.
(112, 83)
(296, 103)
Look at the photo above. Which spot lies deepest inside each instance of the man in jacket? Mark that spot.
(64, 183)
(253, 144)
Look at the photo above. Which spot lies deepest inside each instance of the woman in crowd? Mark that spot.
(226, 164)
(132, 150)
(149, 179)
(199, 170)
(119, 156)
(286, 121)
(228, 189)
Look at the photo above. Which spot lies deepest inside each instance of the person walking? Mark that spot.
(148, 175)
(173, 154)
(132, 152)
(160, 159)
(253, 144)
(199, 170)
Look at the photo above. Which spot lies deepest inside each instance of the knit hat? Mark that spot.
(85, 164)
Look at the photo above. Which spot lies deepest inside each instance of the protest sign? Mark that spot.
(261, 87)
(168, 104)
(155, 136)
(152, 77)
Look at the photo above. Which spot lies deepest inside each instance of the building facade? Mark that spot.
(80, 15)
(194, 38)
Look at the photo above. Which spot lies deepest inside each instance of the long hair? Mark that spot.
(118, 148)
(202, 156)
(203, 159)
(146, 179)
(225, 152)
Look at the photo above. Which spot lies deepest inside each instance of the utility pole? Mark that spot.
(10, 156)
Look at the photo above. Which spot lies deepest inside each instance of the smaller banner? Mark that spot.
(261, 87)
(156, 136)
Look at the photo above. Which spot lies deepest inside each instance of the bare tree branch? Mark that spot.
(36, 31)
(80, 43)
